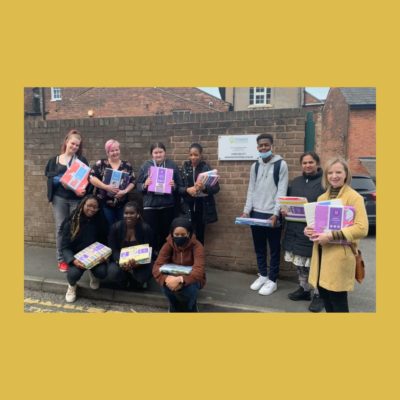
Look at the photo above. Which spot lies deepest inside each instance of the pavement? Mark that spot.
(225, 291)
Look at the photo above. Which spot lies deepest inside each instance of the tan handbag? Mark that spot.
(360, 265)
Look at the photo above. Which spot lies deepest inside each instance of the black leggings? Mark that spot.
(334, 301)
(160, 222)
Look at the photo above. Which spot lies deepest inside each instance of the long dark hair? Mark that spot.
(77, 215)
(73, 132)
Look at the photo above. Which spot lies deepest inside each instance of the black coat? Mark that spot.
(208, 205)
(116, 237)
(294, 239)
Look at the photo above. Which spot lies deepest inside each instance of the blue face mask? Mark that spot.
(265, 155)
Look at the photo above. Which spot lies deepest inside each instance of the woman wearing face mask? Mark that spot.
(159, 208)
(131, 231)
(181, 248)
(298, 248)
(333, 265)
(198, 199)
(63, 199)
(85, 226)
(113, 199)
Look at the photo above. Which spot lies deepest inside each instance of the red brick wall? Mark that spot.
(227, 246)
(119, 102)
(361, 138)
(332, 139)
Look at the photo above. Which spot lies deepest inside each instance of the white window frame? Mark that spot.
(261, 94)
(56, 94)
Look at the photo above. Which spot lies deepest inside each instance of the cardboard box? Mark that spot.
(93, 254)
(140, 253)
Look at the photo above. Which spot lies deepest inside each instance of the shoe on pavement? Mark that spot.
(268, 288)
(70, 296)
(300, 294)
(63, 266)
(259, 282)
(94, 282)
(317, 304)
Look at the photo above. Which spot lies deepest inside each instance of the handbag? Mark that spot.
(360, 265)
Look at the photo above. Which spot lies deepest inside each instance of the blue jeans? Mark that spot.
(184, 300)
(261, 236)
(113, 214)
(62, 208)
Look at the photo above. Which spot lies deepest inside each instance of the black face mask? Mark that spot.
(180, 240)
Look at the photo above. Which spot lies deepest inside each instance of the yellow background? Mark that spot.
(207, 43)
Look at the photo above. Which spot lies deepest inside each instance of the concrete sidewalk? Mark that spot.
(225, 291)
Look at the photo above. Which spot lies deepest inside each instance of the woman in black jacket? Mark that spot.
(131, 231)
(85, 226)
(297, 246)
(198, 199)
(159, 208)
(63, 200)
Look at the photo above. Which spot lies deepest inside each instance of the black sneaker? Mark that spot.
(317, 304)
(300, 294)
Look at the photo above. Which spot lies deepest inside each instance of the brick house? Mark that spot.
(83, 102)
(251, 98)
(349, 128)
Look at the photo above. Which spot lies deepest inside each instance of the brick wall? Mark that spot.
(332, 138)
(227, 246)
(361, 138)
(119, 102)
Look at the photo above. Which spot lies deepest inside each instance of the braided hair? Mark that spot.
(76, 216)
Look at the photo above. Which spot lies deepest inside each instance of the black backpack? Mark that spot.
(277, 167)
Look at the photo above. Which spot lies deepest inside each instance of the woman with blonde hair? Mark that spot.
(113, 197)
(63, 199)
(333, 264)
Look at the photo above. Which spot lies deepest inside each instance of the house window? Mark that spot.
(55, 94)
(181, 112)
(260, 96)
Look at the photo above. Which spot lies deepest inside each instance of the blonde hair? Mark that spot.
(110, 143)
(329, 164)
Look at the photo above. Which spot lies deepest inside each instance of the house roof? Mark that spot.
(360, 97)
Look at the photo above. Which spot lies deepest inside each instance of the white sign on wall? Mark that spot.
(237, 147)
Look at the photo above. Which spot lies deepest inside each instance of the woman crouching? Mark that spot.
(181, 248)
(85, 226)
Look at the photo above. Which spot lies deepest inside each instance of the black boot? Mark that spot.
(317, 304)
(300, 294)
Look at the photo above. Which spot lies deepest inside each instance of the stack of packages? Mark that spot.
(253, 221)
(93, 255)
(140, 253)
(330, 215)
(174, 269)
(115, 178)
(294, 206)
(208, 178)
(76, 176)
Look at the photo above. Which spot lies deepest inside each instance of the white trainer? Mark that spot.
(259, 282)
(70, 296)
(268, 288)
(94, 282)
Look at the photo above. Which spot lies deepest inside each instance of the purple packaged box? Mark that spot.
(333, 218)
(160, 180)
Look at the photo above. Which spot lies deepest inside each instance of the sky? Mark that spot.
(319, 92)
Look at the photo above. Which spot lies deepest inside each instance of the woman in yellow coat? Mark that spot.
(333, 265)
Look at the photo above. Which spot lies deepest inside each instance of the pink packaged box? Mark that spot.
(160, 180)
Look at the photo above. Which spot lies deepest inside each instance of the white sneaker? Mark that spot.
(94, 282)
(260, 281)
(70, 296)
(268, 288)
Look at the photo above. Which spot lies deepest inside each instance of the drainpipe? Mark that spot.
(42, 103)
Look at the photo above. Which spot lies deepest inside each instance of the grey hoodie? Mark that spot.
(262, 195)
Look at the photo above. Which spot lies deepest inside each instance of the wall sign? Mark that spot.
(237, 147)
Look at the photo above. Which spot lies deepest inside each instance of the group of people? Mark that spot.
(105, 213)
(173, 224)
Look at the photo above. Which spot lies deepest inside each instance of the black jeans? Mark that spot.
(136, 277)
(260, 237)
(74, 273)
(160, 222)
(334, 301)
